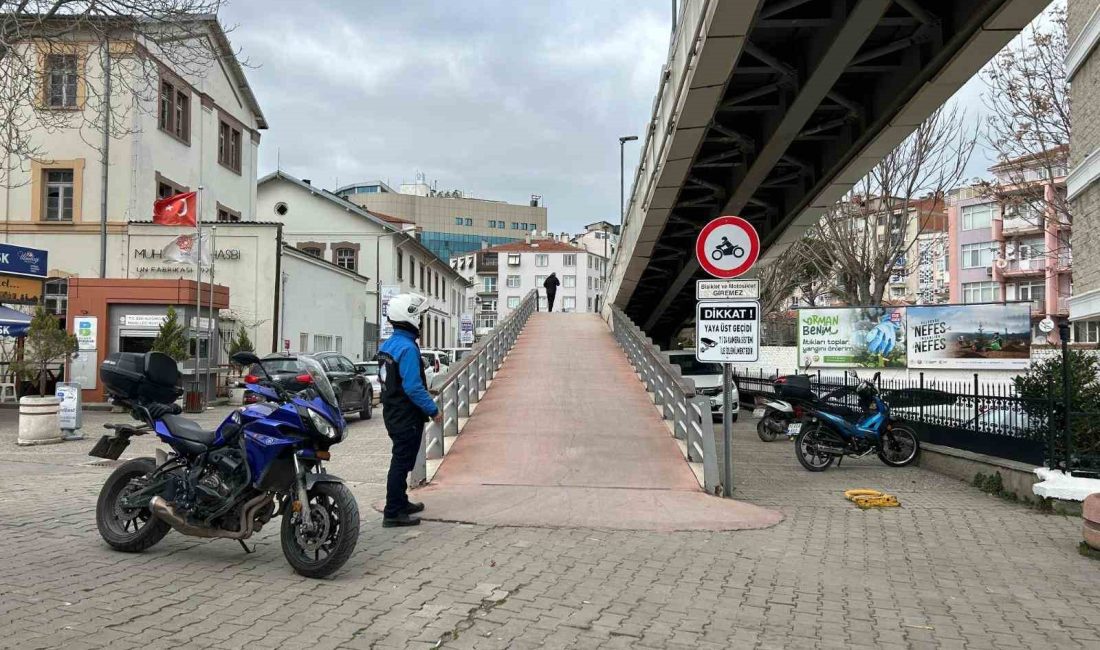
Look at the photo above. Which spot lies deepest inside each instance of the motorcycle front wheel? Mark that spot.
(899, 447)
(128, 529)
(717, 254)
(321, 550)
(763, 431)
(805, 447)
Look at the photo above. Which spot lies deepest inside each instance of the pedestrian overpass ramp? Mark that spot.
(566, 436)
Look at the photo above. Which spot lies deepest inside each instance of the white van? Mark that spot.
(708, 380)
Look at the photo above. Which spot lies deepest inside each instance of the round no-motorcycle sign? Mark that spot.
(727, 247)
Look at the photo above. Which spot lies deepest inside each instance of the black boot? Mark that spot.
(414, 507)
(400, 520)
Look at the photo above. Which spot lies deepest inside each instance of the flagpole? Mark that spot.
(210, 325)
(198, 298)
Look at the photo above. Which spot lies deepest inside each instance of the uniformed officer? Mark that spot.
(406, 404)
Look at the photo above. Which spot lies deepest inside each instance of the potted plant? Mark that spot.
(172, 340)
(46, 345)
(240, 343)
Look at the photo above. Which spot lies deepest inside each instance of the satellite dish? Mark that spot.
(1001, 262)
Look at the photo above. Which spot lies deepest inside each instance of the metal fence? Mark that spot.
(674, 396)
(466, 381)
(984, 417)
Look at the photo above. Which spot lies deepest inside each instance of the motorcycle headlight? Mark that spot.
(323, 426)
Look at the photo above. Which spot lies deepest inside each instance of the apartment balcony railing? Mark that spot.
(1022, 224)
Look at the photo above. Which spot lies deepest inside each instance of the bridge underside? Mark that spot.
(817, 92)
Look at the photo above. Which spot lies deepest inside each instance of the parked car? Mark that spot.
(354, 391)
(456, 354)
(708, 381)
(369, 369)
(437, 363)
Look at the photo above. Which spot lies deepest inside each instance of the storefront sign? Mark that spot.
(143, 320)
(68, 412)
(20, 260)
(872, 337)
(466, 329)
(86, 329)
(970, 336)
(385, 327)
(157, 254)
(203, 323)
(20, 290)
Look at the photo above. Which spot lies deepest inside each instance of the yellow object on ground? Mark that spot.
(864, 499)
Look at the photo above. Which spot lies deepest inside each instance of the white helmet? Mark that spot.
(406, 308)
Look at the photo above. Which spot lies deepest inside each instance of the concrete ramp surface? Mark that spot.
(566, 436)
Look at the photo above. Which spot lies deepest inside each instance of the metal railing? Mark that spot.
(466, 382)
(674, 396)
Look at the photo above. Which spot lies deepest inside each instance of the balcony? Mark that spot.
(1022, 224)
(1025, 267)
(487, 263)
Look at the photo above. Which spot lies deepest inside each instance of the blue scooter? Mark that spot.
(828, 435)
(264, 460)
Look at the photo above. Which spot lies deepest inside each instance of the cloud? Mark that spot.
(499, 99)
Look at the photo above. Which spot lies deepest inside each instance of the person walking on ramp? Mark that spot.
(551, 285)
(406, 404)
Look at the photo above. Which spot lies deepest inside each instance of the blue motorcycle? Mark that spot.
(831, 432)
(264, 460)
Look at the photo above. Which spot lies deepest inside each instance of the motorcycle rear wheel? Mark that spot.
(128, 530)
(320, 553)
(763, 431)
(899, 447)
(814, 462)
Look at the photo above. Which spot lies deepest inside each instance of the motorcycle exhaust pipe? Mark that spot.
(164, 511)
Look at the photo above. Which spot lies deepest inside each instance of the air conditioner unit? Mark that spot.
(989, 271)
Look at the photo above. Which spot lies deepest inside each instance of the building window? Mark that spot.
(513, 302)
(569, 303)
(1031, 291)
(542, 260)
(56, 296)
(226, 215)
(166, 188)
(981, 292)
(322, 343)
(977, 255)
(568, 281)
(1086, 331)
(229, 146)
(977, 216)
(423, 282)
(400, 265)
(539, 279)
(489, 284)
(61, 80)
(175, 111)
(459, 221)
(303, 342)
(589, 304)
(469, 221)
(59, 195)
(412, 273)
(513, 282)
(513, 259)
(339, 344)
(311, 250)
(569, 260)
(345, 258)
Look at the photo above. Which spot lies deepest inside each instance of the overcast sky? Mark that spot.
(499, 98)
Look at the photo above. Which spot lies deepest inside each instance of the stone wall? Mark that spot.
(1085, 139)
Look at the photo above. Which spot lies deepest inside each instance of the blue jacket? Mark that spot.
(401, 353)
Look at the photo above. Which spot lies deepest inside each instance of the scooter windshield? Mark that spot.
(320, 381)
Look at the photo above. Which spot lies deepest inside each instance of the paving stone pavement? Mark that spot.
(951, 568)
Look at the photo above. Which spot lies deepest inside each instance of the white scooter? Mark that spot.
(783, 416)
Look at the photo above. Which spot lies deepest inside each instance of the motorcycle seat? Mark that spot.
(189, 430)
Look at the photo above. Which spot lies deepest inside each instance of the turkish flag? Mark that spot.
(176, 210)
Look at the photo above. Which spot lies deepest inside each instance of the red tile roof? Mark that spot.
(388, 218)
(536, 246)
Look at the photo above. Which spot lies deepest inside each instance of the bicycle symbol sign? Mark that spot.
(727, 247)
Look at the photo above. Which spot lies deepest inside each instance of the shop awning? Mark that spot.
(13, 323)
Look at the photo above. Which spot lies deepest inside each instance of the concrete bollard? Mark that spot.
(1090, 517)
(38, 421)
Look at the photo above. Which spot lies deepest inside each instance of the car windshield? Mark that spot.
(370, 368)
(320, 381)
(280, 365)
(690, 366)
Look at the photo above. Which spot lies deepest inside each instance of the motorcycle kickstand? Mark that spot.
(839, 460)
(245, 547)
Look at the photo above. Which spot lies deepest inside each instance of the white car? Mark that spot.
(708, 380)
(369, 369)
(436, 365)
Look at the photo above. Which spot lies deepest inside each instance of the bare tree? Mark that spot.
(870, 234)
(91, 65)
(1029, 126)
(798, 271)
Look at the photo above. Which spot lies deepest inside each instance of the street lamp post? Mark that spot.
(622, 176)
(405, 230)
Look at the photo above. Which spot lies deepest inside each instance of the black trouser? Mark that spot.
(406, 444)
(550, 300)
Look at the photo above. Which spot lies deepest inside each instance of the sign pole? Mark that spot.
(727, 430)
(198, 297)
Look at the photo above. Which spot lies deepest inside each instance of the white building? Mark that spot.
(325, 225)
(333, 320)
(202, 130)
(600, 238)
(502, 275)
